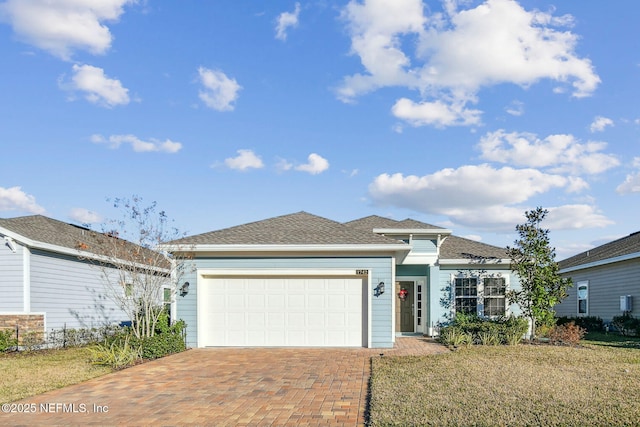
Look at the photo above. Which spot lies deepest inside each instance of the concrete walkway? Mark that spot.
(223, 387)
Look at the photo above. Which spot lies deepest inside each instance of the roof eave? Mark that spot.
(289, 248)
(602, 262)
(430, 231)
(484, 261)
(63, 250)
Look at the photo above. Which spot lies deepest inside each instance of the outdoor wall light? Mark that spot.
(379, 290)
(184, 289)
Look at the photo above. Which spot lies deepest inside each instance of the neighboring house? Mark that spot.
(51, 276)
(605, 280)
(304, 280)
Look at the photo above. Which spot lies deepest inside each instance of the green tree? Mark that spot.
(533, 259)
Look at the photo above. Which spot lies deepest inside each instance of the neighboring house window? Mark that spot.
(583, 298)
(495, 289)
(466, 295)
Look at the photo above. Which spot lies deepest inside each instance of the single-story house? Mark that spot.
(606, 280)
(52, 276)
(304, 280)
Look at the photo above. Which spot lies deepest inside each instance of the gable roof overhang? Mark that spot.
(601, 262)
(399, 251)
(76, 253)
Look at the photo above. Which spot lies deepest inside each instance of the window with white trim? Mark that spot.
(583, 298)
(495, 291)
(482, 296)
(466, 295)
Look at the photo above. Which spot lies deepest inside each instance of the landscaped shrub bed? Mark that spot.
(590, 323)
(470, 329)
(125, 349)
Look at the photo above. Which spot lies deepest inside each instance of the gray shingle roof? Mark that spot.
(620, 247)
(47, 230)
(42, 229)
(299, 228)
(455, 247)
(370, 222)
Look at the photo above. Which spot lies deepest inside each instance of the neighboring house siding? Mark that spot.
(11, 265)
(607, 283)
(380, 269)
(71, 292)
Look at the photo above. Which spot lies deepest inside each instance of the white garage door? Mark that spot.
(281, 312)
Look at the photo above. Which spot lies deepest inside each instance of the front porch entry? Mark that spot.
(405, 297)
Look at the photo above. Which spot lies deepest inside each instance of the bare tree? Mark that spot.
(138, 276)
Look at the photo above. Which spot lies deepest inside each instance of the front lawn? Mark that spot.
(509, 386)
(30, 373)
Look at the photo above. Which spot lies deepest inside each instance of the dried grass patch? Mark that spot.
(28, 374)
(511, 385)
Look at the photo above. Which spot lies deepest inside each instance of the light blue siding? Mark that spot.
(71, 292)
(423, 246)
(380, 269)
(12, 279)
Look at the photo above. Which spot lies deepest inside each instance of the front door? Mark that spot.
(405, 297)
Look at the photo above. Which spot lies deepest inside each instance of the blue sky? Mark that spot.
(462, 114)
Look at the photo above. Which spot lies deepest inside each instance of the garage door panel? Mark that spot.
(282, 311)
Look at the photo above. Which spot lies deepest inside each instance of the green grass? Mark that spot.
(27, 374)
(520, 385)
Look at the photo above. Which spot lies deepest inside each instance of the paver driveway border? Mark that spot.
(223, 387)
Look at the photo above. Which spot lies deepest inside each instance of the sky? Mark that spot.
(462, 114)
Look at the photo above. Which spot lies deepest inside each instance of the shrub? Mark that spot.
(454, 336)
(626, 324)
(567, 334)
(7, 340)
(116, 354)
(477, 330)
(167, 339)
(590, 323)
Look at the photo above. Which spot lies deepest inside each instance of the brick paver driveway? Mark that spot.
(223, 386)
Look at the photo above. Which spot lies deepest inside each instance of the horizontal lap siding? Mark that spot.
(380, 270)
(11, 279)
(607, 284)
(71, 292)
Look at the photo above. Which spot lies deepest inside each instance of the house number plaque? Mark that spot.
(362, 272)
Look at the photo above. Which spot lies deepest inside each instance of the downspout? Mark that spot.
(26, 279)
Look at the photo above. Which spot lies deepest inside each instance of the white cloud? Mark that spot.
(97, 87)
(84, 216)
(316, 164)
(15, 199)
(575, 217)
(245, 160)
(477, 196)
(630, 185)
(283, 165)
(600, 123)
(459, 52)
(61, 27)
(438, 113)
(559, 153)
(285, 21)
(219, 91)
(138, 145)
(515, 108)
